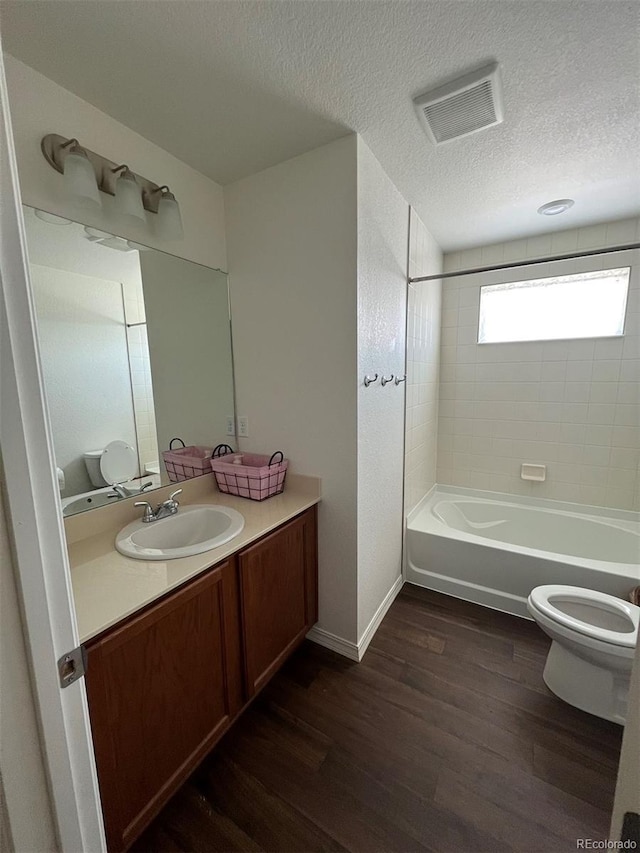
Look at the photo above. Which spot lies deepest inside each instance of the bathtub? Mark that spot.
(493, 549)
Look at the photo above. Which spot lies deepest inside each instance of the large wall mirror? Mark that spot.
(136, 350)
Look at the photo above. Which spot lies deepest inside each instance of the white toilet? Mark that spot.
(594, 640)
(116, 463)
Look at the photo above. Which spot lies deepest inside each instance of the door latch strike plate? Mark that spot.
(72, 666)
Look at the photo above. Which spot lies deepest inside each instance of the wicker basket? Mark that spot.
(186, 462)
(256, 476)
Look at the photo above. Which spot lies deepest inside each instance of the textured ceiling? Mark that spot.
(233, 87)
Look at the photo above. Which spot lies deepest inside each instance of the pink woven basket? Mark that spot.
(186, 462)
(256, 477)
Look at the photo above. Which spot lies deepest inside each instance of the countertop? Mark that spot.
(107, 586)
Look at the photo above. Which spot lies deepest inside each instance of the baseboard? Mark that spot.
(355, 651)
(372, 627)
(333, 642)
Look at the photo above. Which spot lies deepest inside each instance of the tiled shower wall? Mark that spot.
(423, 357)
(572, 405)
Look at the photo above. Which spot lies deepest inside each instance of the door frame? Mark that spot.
(42, 566)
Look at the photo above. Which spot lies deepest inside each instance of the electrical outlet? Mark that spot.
(243, 427)
(231, 427)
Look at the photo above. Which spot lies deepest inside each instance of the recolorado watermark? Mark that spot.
(595, 844)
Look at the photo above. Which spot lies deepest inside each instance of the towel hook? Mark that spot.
(369, 379)
(386, 379)
(400, 379)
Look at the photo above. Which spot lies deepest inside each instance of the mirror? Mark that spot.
(136, 349)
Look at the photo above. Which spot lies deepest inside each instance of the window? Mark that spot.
(587, 305)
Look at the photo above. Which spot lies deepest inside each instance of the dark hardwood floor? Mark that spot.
(443, 738)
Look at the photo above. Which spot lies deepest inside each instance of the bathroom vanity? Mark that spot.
(166, 681)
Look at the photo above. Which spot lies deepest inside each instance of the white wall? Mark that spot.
(85, 364)
(424, 312)
(383, 220)
(292, 243)
(22, 769)
(39, 106)
(572, 405)
(187, 309)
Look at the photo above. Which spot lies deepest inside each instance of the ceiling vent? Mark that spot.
(466, 105)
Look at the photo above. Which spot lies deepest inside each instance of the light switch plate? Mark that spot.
(231, 427)
(243, 427)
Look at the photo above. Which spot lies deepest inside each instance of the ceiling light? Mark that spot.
(128, 203)
(553, 208)
(80, 179)
(169, 222)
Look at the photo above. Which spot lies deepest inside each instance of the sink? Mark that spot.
(193, 530)
(99, 497)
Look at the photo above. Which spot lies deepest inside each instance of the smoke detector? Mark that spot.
(464, 106)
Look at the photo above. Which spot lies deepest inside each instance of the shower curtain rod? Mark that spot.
(525, 263)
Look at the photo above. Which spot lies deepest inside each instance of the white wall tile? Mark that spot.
(573, 405)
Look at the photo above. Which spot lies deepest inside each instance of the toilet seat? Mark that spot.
(118, 462)
(542, 599)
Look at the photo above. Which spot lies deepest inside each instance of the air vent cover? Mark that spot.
(466, 105)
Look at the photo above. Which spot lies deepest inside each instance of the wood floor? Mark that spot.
(444, 738)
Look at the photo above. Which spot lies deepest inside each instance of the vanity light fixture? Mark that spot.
(103, 238)
(84, 169)
(94, 235)
(79, 177)
(169, 222)
(51, 218)
(117, 243)
(128, 202)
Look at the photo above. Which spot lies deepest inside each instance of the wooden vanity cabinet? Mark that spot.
(164, 685)
(278, 597)
(162, 689)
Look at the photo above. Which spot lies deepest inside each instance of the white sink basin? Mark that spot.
(193, 530)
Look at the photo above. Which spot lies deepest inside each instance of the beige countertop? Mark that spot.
(107, 586)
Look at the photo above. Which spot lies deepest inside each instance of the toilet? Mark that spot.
(594, 641)
(116, 463)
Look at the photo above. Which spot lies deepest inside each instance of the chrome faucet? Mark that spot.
(120, 491)
(163, 510)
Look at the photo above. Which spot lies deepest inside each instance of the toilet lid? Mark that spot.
(118, 463)
(564, 603)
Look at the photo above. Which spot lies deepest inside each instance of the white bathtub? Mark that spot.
(494, 549)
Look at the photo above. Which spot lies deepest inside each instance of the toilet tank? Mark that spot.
(92, 462)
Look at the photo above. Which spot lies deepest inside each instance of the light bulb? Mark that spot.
(80, 180)
(169, 221)
(128, 203)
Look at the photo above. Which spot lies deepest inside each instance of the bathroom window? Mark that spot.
(587, 305)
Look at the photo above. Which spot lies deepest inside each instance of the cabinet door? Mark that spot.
(162, 689)
(278, 595)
